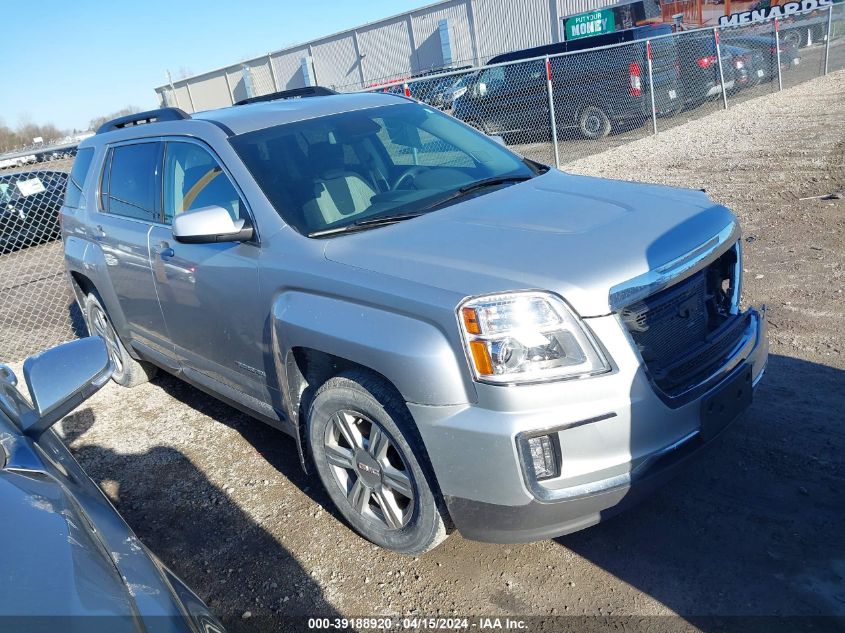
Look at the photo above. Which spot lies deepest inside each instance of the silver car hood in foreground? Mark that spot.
(574, 235)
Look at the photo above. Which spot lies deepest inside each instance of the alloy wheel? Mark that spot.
(101, 325)
(369, 469)
(593, 124)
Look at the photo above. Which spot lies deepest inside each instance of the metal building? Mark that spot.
(449, 33)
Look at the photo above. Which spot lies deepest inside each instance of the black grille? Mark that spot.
(685, 332)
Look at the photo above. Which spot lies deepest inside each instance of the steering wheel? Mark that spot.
(406, 175)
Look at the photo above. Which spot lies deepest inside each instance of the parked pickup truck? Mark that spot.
(453, 335)
(596, 90)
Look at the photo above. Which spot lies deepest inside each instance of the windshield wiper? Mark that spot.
(366, 223)
(383, 220)
(491, 182)
(475, 186)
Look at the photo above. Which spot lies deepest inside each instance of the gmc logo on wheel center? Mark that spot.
(367, 469)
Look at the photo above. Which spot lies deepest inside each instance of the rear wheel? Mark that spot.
(128, 372)
(594, 123)
(372, 465)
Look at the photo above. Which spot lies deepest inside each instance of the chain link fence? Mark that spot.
(552, 109)
(37, 308)
(564, 107)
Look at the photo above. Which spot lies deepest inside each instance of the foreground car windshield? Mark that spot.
(340, 170)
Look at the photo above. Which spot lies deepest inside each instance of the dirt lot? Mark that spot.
(754, 528)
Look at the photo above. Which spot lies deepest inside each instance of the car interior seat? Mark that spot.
(339, 192)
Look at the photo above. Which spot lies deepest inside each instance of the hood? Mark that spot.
(574, 235)
(53, 564)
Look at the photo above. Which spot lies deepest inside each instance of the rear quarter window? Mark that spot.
(78, 175)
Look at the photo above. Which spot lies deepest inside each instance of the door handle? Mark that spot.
(99, 233)
(165, 252)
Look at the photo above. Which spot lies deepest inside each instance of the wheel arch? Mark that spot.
(315, 338)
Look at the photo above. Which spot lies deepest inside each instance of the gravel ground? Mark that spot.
(754, 528)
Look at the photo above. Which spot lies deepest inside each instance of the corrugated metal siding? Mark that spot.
(386, 50)
(262, 76)
(574, 7)
(236, 80)
(499, 25)
(288, 69)
(428, 54)
(210, 91)
(504, 25)
(183, 98)
(336, 62)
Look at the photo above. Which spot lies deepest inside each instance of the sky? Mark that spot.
(68, 61)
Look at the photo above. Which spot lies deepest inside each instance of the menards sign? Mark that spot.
(767, 13)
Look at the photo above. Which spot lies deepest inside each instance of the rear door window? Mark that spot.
(131, 186)
(81, 167)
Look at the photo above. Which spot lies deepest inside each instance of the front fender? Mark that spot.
(413, 354)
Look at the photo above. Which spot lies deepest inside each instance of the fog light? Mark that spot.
(543, 457)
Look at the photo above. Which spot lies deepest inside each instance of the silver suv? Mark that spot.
(454, 335)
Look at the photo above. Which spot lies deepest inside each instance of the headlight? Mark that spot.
(525, 337)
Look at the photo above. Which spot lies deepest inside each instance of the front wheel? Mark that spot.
(594, 123)
(372, 464)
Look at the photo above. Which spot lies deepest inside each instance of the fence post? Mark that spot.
(721, 70)
(827, 41)
(777, 53)
(229, 87)
(651, 85)
(550, 90)
(190, 96)
(273, 72)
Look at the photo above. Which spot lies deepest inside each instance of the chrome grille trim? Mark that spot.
(638, 288)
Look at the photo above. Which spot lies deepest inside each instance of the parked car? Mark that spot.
(749, 67)
(70, 562)
(594, 91)
(29, 208)
(435, 91)
(700, 74)
(17, 161)
(451, 333)
(456, 91)
(790, 56)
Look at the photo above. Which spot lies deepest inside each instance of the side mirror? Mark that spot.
(61, 379)
(210, 225)
(500, 140)
(480, 89)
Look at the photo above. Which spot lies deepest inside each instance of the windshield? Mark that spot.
(333, 171)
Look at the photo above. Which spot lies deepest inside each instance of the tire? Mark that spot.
(385, 490)
(593, 123)
(128, 372)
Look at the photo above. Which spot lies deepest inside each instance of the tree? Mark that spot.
(98, 121)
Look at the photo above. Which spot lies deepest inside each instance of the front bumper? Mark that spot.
(618, 441)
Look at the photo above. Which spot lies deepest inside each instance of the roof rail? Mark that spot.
(296, 93)
(150, 116)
